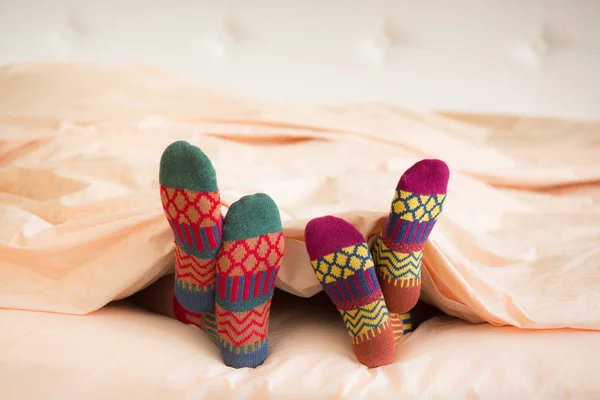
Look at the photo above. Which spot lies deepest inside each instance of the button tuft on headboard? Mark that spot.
(539, 48)
(234, 28)
(224, 37)
(392, 31)
(375, 50)
(534, 52)
(385, 39)
(76, 23)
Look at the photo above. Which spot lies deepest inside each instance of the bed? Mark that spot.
(84, 243)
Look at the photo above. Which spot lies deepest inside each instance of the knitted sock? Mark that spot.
(205, 321)
(403, 324)
(344, 267)
(247, 268)
(398, 249)
(191, 202)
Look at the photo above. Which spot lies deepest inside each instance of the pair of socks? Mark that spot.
(225, 268)
(376, 294)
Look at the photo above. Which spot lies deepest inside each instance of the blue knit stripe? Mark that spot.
(250, 356)
(261, 286)
(272, 277)
(206, 254)
(240, 305)
(195, 301)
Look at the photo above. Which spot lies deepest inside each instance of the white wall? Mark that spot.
(508, 56)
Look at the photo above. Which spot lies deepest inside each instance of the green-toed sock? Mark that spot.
(192, 205)
(247, 268)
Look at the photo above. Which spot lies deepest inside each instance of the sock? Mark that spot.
(343, 265)
(398, 249)
(405, 323)
(247, 268)
(192, 205)
(205, 321)
(402, 324)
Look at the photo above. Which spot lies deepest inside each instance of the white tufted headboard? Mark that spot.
(505, 56)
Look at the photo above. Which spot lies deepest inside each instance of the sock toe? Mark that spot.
(192, 206)
(426, 177)
(251, 359)
(343, 265)
(325, 235)
(185, 166)
(251, 216)
(398, 250)
(247, 267)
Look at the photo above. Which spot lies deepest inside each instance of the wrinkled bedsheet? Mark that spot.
(82, 224)
(121, 352)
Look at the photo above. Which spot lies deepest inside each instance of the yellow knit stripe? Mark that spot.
(342, 263)
(417, 207)
(402, 282)
(402, 267)
(397, 325)
(370, 334)
(361, 321)
(400, 323)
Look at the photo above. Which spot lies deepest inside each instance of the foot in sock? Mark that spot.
(205, 321)
(401, 324)
(247, 268)
(191, 202)
(398, 249)
(343, 265)
(405, 323)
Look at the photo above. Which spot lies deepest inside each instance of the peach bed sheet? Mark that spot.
(121, 352)
(82, 223)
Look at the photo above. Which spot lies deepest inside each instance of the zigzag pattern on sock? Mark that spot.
(343, 265)
(246, 276)
(398, 250)
(243, 329)
(191, 203)
(194, 273)
(366, 321)
(399, 269)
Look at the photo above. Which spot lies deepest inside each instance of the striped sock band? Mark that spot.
(247, 268)
(398, 249)
(343, 265)
(192, 205)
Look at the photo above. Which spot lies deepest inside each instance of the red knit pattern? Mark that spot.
(183, 315)
(250, 256)
(201, 209)
(244, 328)
(194, 270)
